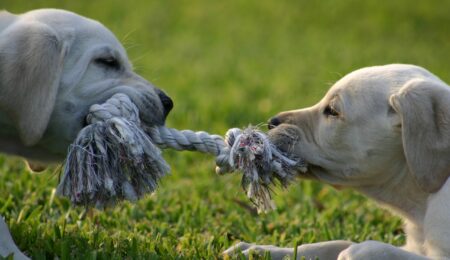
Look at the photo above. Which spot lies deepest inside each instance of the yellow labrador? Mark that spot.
(54, 65)
(385, 132)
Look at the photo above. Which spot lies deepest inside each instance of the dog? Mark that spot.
(54, 65)
(383, 131)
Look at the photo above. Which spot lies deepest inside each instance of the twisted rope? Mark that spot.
(115, 157)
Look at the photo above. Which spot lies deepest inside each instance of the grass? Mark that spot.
(227, 64)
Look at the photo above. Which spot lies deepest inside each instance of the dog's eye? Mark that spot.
(330, 111)
(108, 62)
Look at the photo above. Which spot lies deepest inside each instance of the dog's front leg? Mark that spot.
(321, 250)
(7, 245)
(377, 250)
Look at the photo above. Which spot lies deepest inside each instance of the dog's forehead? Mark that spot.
(85, 30)
(356, 89)
(385, 79)
(375, 82)
(368, 90)
(95, 33)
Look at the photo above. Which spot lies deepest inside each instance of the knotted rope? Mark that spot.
(115, 157)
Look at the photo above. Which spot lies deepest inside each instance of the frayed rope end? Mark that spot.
(111, 161)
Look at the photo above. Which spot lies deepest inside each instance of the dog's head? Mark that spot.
(371, 125)
(56, 64)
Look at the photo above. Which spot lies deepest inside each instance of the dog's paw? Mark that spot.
(237, 249)
(370, 250)
(247, 249)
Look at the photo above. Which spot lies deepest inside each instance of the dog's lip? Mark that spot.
(323, 175)
(287, 145)
(275, 131)
(320, 174)
(310, 170)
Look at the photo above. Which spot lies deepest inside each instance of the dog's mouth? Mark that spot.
(287, 138)
(315, 171)
(154, 105)
(153, 108)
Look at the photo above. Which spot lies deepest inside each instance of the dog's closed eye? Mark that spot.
(108, 62)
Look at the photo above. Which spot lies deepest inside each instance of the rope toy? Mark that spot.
(115, 157)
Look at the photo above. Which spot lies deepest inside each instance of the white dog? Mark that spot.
(385, 132)
(54, 65)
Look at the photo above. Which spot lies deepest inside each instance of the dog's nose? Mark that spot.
(166, 102)
(273, 122)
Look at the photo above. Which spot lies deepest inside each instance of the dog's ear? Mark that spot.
(424, 109)
(31, 61)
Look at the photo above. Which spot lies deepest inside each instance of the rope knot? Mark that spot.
(119, 105)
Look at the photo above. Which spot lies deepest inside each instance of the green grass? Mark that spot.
(227, 64)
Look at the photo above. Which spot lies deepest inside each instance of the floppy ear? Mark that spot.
(31, 56)
(424, 108)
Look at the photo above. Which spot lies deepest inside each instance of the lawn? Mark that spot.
(227, 64)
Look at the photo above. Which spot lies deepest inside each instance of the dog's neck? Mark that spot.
(400, 194)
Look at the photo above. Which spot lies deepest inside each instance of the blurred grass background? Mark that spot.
(227, 64)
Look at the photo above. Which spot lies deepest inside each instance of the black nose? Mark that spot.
(274, 122)
(166, 102)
